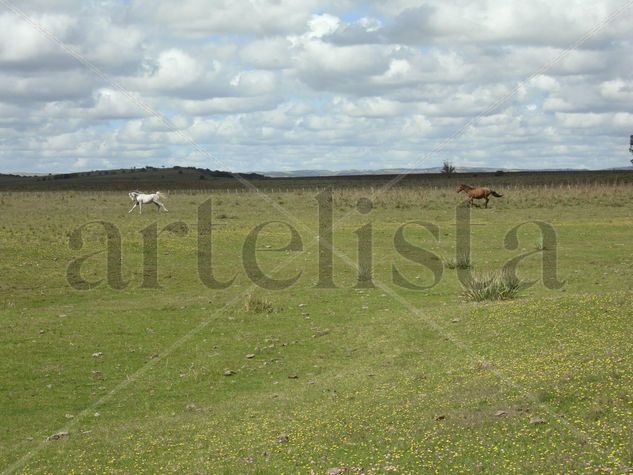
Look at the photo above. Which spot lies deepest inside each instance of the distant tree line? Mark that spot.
(202, 172)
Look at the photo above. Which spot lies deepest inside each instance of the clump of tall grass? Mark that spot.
(255, 304)
(462, 261)
(499, 285)
(364, 274)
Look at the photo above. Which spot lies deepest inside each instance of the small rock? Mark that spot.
(441, 417)
(500, 413)
(97, 414)
(98, 354)
(250, 356)
(57, 436)
(69, 416)
(229, 372)
(536, 420)
(282, 438)
(455, 320)
(192, 407)
(293, 376)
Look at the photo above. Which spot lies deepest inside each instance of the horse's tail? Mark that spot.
(494, 193)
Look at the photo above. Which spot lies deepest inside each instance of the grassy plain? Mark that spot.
(388, 379)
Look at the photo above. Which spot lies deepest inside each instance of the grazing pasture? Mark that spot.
(381, 377)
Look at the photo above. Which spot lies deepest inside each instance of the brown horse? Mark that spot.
(477, 193)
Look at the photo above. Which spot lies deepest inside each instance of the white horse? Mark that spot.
(142, 198)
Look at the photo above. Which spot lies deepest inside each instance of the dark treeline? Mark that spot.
(152, 179)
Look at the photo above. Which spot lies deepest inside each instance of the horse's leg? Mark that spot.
(486, 205)
(160, 205)
(133, 208)
(140, 207)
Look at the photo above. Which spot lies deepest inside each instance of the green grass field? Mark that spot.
(386, 379)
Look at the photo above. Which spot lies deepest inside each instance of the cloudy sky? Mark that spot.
(267, 85)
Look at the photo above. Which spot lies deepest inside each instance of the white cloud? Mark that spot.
(199, 17)
(21, 43)
(282, 84)
(113, 104)
(370, 107)
(267, 53)
(174, 69)
(617, 90)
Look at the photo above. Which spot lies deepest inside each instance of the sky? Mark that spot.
(280, 85)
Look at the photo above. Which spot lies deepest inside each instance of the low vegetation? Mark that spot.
(403, 376)
(462, 261)
(498, 285)
(255, 304)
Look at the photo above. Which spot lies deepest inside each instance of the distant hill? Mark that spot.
(151, 179)
(395, 171)
(145, 178)
(28, 174)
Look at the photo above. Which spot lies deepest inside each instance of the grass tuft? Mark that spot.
(255, 304)
(462, 261)
(500, 285)
(364, 273)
